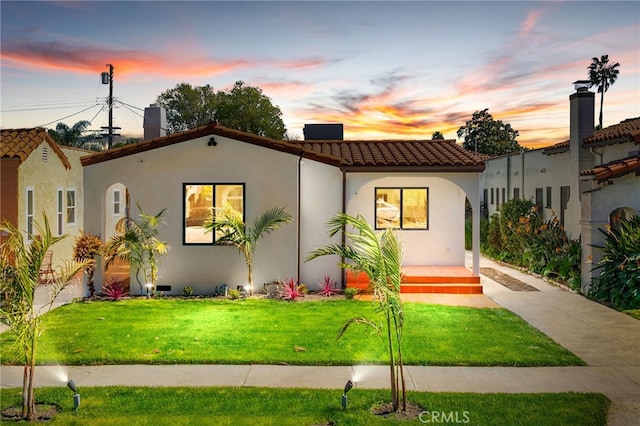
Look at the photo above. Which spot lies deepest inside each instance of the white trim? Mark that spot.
(29, 213)
(60, 211)
(75, 206)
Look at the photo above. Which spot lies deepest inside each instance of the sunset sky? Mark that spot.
(387, 70)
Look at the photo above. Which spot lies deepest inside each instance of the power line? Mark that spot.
(71, 115)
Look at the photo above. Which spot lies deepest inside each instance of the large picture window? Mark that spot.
(200, 200)
(403, 208)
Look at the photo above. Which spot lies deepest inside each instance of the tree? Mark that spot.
(137, 242)
(602, 74)
(437, 135)
(75, 136)
(484, 134)
(246, 108)
(231, 231)
(188, 107)
(380, 257)
(243, 108)
(86, 248)
(20, 271)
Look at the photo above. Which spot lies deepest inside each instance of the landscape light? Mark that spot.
(149, 285)
(347, 388)
(76, 396)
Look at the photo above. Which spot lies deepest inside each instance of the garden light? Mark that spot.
(347, 388)
(149, 285)
(76, 396)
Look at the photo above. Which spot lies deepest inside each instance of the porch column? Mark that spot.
(475, 233)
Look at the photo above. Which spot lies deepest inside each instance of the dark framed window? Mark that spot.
(539, 198)
(402, 208)
(492, 196)
(199, 202)
(516, 193)
(549, 192)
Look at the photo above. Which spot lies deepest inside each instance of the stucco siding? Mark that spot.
(155, 179)
(46, 177)
(443, 242)
(320, 200)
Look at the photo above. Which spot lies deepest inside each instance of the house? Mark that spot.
(584, 182)
(39, 176)
(419, 187)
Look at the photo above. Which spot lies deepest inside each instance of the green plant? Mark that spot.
(187, 291)
(350, 293)
(233, 294)
(113, 290)
(21, 262)
(233, 231)
(328, 287)
(619, 280)
(291, 290)
(137, 243)
(86, 248)
(379, 255)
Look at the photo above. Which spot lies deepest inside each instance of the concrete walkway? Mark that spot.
(608, 341)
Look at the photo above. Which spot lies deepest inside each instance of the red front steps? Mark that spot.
(427, 279)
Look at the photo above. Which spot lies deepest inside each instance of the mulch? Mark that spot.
(508, 281)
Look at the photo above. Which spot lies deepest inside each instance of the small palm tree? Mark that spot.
(602, 74)
(380, 257)
(20, 267)
(137, 243)
(231, 231)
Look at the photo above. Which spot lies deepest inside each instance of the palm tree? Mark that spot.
(380, 257)
(137, 243)
(602, 74)
(231, 231)
(20, 270)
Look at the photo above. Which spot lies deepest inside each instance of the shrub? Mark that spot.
(350, 292)
(187, 291)
(113, 290)
(233, 294)
(328, 287)
(619, 280)
(291, 290)
(86, 248)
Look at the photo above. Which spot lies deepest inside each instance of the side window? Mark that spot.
(117, 202)
(71, 206)
(60, 212)
(30, 207)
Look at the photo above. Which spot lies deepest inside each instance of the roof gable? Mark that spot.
(20, 143)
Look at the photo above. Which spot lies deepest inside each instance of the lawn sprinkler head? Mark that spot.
(76, 396)
(347, 388)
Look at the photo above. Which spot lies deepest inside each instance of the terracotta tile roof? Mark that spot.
(414, 155)
(614, 169)
(625, 131)
(20, 143)
(444, 155)
(557, 148)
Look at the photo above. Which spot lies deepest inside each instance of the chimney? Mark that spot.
(581, 122)
(155, 122)
(318, 132)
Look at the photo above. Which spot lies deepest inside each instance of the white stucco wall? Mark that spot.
(155, 179)
(321, 199)
(443, 243)
(46, 177)
(540, 171)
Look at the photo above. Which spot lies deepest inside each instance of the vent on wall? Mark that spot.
(45, 153)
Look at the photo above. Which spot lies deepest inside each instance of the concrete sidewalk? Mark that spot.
(608, 341)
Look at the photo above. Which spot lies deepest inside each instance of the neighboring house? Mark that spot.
(585, 181)
(418, 186)
(39, 176)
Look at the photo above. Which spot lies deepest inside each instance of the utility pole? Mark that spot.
(107, 78)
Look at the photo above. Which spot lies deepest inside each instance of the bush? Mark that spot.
(113, 290)
(233, 294)
(350, 292)
(187, 291)
(619, 280)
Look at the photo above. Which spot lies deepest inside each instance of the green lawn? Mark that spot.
(168, 331)
(259, 406)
